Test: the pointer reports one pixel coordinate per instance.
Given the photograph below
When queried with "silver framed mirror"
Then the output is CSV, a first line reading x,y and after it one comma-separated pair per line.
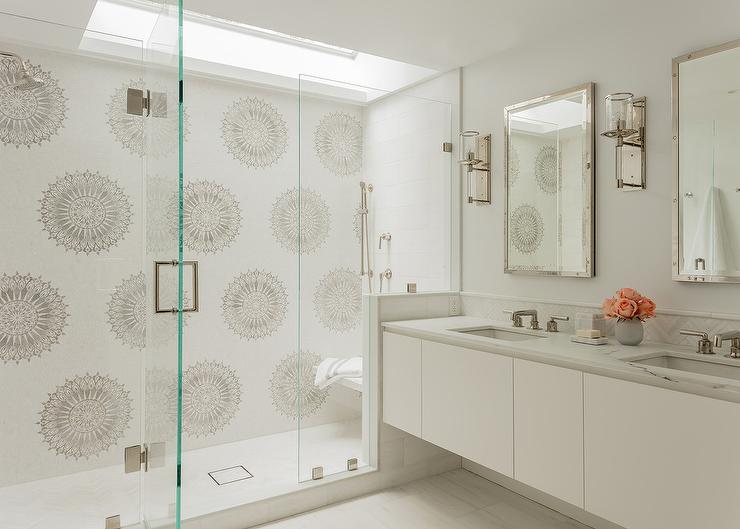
x,y
706,165
549,161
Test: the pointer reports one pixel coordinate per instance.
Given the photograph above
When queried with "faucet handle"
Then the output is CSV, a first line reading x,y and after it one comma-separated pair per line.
x,y
704,345
552,325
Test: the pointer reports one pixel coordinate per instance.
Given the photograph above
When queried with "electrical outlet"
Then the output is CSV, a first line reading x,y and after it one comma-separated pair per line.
x,y
453,306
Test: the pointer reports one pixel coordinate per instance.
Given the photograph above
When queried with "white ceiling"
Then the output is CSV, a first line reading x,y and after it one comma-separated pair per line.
x,y
434,33
439,34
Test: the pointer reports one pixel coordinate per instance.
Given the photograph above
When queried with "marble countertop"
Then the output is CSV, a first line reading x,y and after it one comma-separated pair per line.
x,y
611,360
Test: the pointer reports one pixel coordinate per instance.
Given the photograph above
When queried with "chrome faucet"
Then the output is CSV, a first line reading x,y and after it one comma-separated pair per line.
x,y
517,315
734,337
704,345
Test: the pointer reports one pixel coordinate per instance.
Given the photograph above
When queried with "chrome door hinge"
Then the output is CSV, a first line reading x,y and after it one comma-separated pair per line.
x,y
134,457
447,147
113,522
141,102
317,473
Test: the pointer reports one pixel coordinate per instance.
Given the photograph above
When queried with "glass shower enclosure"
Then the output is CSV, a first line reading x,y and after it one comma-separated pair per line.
x,y
184,326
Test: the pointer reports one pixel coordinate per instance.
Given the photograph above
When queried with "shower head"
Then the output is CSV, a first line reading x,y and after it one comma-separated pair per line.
x,y
23,79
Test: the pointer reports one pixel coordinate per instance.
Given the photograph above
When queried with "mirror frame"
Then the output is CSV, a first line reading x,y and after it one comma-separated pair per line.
x,y
676,239
590,233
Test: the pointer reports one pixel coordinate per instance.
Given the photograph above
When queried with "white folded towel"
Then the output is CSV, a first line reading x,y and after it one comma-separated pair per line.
x,y
332,370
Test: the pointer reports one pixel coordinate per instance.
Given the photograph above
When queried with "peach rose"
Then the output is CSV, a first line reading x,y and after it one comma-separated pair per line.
x,y
607,307
646,308
625,308
629,293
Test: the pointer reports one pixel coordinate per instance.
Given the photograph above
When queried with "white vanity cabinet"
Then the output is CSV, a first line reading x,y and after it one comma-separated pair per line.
x,y
402,382
467,404
548,429
657,458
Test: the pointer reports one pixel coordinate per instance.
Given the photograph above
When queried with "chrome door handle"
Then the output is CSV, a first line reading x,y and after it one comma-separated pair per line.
x,y
157,306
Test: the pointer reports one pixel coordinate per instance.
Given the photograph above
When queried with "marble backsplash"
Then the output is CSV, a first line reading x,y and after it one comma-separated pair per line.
x,y
663,328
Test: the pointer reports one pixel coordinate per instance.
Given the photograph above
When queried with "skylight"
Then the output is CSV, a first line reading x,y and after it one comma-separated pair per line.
x,y
235,50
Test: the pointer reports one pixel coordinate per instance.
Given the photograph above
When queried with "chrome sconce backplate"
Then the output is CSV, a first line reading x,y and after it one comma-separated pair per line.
x,y
625,120
476,156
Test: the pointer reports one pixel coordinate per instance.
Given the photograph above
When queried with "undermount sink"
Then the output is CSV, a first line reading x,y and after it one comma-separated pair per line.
x,y
499,334
709,365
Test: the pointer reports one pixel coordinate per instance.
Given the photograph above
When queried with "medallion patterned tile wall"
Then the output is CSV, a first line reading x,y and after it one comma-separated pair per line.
x,y
338,141
292,386
85,212
254,132
85,416
211,394
32,317
547,169
526,229
300,220
255,304
212,217
75,314
338,300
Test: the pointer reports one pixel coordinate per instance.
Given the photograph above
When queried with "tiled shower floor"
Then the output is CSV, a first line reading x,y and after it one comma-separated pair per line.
x,y
85,499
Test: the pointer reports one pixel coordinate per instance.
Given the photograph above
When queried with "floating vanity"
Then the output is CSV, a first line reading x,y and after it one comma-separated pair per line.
x,y
646,437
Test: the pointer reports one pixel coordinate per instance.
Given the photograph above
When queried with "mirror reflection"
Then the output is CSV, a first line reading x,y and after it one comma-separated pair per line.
x,y
549,185
707,121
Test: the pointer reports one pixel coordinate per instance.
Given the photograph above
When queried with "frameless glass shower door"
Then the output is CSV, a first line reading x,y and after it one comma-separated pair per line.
x,y
89,172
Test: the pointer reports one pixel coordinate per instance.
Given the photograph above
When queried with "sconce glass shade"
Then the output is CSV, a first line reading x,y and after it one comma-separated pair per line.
x,y
619,115
469,147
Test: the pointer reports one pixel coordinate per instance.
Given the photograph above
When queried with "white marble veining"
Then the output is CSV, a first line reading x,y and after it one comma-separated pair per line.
x,y
610,360
454,500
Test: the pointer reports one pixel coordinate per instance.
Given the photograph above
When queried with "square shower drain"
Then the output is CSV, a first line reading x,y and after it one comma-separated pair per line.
x,y
230,475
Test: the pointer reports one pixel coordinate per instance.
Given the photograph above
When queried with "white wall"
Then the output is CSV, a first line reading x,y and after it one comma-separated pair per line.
x,y
633,229
413,183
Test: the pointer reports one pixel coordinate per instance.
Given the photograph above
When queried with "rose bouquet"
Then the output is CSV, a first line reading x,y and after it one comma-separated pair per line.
x,y
629,304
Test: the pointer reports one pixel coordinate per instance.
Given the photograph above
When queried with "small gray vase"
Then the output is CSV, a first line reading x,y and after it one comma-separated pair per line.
x,y
629,332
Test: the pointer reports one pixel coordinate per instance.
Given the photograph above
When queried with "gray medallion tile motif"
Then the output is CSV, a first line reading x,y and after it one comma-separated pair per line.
x,y
357,223
85,212
127,311
132,319
338,300
254,132
161,220
547,169
29,116
255,304
513,165
302,232
160,404
211,217
526,229
32,317
156,135
211,394
338,143
292,386
85,416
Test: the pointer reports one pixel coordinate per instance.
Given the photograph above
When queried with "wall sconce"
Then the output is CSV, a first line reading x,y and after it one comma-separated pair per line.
x,y
476,156
625,121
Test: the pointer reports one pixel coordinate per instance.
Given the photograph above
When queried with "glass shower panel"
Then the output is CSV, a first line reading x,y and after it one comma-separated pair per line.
x,y
74,300
69,212
374,205
162,267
